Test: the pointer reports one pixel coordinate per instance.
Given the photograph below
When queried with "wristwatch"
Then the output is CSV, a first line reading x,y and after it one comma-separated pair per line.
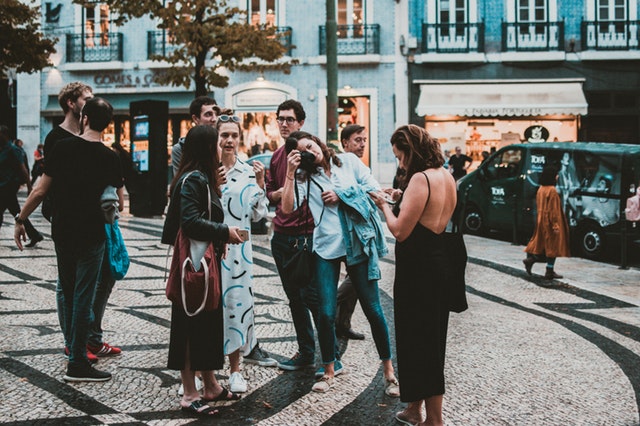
x,y
18,220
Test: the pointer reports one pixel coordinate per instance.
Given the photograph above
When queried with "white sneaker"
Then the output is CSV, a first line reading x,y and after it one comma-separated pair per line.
x,y
237,384
199,386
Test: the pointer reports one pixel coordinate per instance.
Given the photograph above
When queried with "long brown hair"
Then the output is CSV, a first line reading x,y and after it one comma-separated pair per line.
x,y
420,149
200,152
328,154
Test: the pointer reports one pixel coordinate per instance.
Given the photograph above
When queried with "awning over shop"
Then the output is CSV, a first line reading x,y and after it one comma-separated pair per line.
x,y
495,98
178,102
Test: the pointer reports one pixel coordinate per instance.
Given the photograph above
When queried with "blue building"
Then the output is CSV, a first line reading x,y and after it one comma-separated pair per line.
x,y
484,73
114,60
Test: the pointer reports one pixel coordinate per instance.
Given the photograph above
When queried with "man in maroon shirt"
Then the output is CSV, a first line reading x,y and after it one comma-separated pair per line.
x,y
289,229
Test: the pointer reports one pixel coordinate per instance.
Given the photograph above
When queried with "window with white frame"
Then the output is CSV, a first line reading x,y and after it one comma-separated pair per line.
x,y
611,14
262,12
350,18
96,24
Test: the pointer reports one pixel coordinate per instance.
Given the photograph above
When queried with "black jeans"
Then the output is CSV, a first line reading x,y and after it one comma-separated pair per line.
x,y
9,201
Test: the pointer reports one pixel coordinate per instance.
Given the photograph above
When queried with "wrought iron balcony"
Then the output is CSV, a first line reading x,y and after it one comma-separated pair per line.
x,y
453,38
104,47
284,35
159,43
354,39
532,36
610,35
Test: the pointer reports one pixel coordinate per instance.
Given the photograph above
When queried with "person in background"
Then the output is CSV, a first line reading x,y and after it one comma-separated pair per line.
x,y
459,163
244,201
20,145
551,236
13,174
335,182
196,342
354,139
203,110
426,200
289,230
77,171
38,163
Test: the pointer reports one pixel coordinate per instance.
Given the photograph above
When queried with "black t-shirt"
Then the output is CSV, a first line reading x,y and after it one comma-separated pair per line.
x,y
457,164
80,171
55,135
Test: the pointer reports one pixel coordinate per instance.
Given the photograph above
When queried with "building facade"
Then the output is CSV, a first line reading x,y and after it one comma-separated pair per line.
x,y
114,60
487,73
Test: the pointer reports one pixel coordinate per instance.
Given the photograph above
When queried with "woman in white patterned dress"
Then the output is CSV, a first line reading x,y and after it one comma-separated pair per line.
x,y
243,201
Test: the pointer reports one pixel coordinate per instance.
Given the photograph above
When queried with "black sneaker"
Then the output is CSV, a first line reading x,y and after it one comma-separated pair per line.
x,y
260,357
85,373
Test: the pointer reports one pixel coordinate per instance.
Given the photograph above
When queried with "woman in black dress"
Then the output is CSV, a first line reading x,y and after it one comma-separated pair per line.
x,y
426,201
196,342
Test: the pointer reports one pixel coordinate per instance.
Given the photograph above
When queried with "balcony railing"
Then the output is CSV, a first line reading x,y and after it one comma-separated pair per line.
x,y
103,47
354,39
532,36
284,35
453,38
159,43
610,35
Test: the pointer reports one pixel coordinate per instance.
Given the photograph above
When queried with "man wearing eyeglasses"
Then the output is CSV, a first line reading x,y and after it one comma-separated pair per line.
x,y
289,229
354,140
204,110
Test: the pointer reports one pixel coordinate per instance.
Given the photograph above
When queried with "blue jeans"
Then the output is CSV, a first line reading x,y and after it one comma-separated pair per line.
x,y
79,267
327,276
283,248
103,291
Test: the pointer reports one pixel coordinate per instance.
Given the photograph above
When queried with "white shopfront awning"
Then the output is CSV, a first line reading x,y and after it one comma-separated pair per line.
x,y
495,98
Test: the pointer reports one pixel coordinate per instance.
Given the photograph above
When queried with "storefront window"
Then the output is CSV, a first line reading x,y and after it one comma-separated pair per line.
x,y
355,110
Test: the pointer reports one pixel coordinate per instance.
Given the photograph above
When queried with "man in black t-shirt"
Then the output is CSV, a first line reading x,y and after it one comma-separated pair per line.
x,y
458,163
77,171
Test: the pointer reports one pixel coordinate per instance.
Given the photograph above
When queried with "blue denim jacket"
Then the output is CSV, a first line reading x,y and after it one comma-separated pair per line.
x,y
361,228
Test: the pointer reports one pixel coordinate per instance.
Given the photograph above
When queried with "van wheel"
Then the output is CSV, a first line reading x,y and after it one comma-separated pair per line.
x,y
591,241
473,221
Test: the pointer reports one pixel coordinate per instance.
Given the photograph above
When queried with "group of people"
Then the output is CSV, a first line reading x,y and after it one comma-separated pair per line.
x,y
327,200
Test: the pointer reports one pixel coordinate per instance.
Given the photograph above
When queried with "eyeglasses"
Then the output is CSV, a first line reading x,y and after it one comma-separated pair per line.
x,y
289,120
224,118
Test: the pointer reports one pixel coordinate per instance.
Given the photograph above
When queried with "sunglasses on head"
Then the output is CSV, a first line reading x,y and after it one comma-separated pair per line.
x,y
224,118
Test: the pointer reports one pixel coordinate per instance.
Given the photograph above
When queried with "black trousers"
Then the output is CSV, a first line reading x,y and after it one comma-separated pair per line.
x,y
347,300
9,201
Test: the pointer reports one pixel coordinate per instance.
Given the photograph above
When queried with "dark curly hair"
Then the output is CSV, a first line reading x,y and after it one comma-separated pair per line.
x,y
421,151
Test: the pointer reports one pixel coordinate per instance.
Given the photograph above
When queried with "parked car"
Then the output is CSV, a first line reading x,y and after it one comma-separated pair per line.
x,y
594,182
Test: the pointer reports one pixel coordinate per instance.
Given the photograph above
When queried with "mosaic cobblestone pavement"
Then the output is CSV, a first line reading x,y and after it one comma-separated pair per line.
x,y
523,354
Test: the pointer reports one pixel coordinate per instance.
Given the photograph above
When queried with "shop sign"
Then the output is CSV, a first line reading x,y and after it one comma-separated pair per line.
x,y
501,111
117,80
536,134
260,98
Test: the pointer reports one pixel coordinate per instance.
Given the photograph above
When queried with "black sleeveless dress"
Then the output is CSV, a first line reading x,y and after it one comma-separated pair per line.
x,y
421,313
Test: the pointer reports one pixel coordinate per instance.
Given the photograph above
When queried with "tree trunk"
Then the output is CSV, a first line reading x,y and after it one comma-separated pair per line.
x,y
201,83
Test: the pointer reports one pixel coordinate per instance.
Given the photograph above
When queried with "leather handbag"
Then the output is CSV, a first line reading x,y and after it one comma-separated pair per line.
x,y
194,275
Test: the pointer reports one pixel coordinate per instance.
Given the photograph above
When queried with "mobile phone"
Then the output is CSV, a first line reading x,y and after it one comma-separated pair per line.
x,y
244,234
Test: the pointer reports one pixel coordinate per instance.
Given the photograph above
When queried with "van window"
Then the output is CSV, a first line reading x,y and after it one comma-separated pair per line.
x,y
506,164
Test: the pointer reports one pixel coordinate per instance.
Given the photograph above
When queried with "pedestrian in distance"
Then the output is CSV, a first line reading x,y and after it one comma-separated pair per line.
x,y
244,201
13,174
77,171
38,163
459,163
550,239
425,201
330,182
196,342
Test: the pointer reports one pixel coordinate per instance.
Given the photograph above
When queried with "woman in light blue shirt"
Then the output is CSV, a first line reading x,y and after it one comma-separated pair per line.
x,y
341,234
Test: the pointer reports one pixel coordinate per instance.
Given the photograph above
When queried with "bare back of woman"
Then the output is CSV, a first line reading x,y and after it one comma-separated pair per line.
x,y
441,199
